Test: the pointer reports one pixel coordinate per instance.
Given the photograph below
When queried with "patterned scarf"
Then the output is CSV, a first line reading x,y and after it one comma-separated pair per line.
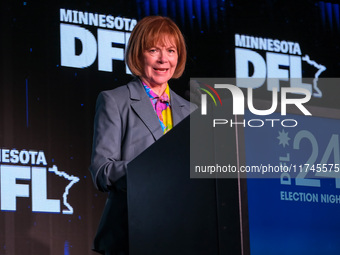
x,y
161,105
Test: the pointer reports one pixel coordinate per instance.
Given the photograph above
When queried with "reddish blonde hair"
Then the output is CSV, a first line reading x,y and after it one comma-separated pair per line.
x,y
147,33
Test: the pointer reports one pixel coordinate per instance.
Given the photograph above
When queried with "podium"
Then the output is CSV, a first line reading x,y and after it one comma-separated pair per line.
x,y
170,213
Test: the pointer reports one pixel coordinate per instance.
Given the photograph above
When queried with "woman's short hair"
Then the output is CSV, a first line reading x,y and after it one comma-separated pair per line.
x,y
147,33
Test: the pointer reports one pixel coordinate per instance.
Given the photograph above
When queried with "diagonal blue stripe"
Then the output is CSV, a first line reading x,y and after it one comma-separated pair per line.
x,y
322,12
336,15
329,14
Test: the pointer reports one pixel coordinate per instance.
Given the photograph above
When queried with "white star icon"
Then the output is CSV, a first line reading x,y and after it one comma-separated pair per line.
x,y
283,138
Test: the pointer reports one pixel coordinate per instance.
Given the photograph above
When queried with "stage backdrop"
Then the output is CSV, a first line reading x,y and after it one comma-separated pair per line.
x,y
56,56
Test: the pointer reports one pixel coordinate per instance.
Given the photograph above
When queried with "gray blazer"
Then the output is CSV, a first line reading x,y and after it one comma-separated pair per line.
x,y
125,125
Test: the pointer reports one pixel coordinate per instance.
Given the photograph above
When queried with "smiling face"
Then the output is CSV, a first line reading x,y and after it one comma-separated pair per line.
x,y
160,63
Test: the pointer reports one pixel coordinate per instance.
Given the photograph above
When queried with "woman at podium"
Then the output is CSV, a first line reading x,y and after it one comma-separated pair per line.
x,y
132,117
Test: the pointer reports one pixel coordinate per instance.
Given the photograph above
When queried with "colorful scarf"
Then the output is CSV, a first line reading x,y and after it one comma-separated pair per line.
x,y
161,105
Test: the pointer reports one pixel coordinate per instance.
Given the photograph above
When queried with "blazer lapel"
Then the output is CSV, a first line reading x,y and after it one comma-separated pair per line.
x,y
143,108
176,108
